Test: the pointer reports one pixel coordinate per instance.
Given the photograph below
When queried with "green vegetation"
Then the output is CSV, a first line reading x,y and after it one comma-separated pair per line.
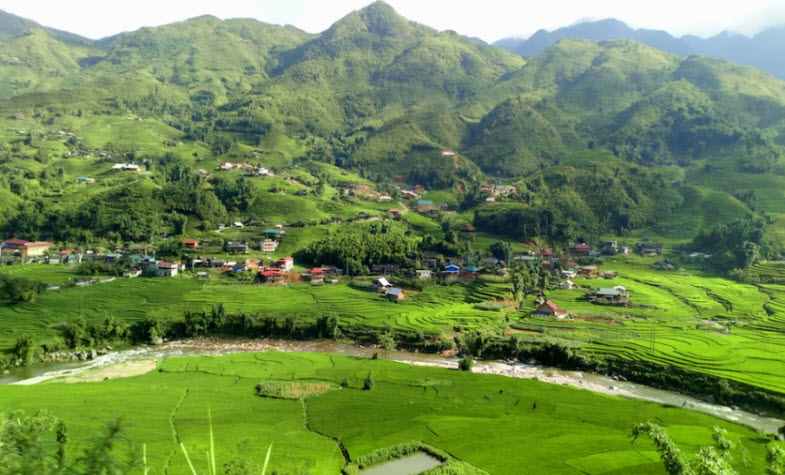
x,y
382,142
474,418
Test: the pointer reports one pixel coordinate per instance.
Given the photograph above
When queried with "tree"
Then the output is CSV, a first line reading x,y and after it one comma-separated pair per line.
x,y
713,460
502,250
23,350
523,282
776,460
387,341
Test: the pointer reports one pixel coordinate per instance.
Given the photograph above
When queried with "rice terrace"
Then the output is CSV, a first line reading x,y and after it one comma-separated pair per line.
x,y
324,238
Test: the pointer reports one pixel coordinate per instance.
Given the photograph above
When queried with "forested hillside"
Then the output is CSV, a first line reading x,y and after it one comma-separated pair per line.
x,y
601,138
763,50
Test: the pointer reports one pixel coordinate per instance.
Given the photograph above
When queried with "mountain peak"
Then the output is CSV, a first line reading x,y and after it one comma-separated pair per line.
x,y
378,18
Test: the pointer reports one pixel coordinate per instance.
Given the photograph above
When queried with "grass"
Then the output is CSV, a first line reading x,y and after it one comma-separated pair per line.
x,y
482,420
433,311
694,321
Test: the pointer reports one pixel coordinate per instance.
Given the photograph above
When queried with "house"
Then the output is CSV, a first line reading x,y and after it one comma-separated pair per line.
x,y
452,269
23,248
385,198
238,225
581,249
665,265
271,276
648,249
618,296
567,284
258,171
316,275
395,214
285,264
382,284
133,273
273,233
226,166
228,266
269,245
191,244
424,206
409,194
423,274
236,247
395,294
491,262
609,274
447,153
610,248
589,272
550,309
126,167
569,274
168,269
86,180
471,269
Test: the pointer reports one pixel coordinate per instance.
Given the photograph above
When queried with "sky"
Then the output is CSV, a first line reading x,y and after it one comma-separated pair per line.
x,y
486,19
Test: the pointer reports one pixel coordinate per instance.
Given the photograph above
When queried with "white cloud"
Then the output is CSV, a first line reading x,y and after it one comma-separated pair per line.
x,y
488,19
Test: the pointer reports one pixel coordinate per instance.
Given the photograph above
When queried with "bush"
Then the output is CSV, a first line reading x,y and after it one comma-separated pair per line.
x,y
466,363
368,382
16,290
23,350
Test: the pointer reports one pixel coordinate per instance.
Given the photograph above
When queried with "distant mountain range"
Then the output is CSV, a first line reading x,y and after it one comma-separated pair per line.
x,y
765,51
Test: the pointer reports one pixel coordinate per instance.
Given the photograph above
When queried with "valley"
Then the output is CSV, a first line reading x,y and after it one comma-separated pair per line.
x,y
375,195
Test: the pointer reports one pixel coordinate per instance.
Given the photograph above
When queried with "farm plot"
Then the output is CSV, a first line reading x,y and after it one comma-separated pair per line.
x,y
480,419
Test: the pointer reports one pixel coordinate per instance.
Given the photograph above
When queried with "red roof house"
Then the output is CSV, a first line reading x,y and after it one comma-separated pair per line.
x,y
550,309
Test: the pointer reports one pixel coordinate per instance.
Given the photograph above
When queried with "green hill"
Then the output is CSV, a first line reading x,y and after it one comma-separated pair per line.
x,y
384,97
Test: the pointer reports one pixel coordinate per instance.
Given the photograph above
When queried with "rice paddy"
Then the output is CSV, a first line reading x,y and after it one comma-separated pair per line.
x,y
497,424
696,322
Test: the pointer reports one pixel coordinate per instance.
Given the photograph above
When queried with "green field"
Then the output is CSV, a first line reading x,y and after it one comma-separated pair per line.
x,y
498,424
697,322
436,309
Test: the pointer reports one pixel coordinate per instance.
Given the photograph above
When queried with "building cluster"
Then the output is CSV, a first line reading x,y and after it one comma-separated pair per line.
x,y
247,169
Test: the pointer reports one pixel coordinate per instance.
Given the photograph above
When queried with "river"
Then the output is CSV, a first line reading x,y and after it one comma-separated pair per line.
x,y
587,381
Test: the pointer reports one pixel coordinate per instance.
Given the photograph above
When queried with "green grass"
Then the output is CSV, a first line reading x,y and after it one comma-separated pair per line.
x,y
494,423
434,311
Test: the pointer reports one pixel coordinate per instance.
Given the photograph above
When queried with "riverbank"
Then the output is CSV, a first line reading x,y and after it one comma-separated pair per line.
x,y
141,360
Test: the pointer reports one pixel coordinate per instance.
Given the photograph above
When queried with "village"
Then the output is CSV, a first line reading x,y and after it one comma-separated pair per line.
x,y
257,262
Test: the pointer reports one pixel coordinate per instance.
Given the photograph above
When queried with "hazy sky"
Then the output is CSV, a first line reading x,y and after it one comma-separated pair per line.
x,y
487,19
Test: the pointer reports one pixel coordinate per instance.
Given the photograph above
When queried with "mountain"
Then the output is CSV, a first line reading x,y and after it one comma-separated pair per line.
x,y
599,137
765,51
12,26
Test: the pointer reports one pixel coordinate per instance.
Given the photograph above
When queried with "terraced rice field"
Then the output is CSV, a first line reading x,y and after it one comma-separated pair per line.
x,y
693,321
498,424
700,323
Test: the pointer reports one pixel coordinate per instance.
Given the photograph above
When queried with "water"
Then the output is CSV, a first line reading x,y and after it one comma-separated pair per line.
x,y
587,381
411,465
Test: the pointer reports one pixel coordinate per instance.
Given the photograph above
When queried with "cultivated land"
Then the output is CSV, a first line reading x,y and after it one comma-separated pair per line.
x,y
497,424
697,322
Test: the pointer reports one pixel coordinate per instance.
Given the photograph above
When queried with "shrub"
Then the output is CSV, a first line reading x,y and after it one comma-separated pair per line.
x,y
368,382
466,363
